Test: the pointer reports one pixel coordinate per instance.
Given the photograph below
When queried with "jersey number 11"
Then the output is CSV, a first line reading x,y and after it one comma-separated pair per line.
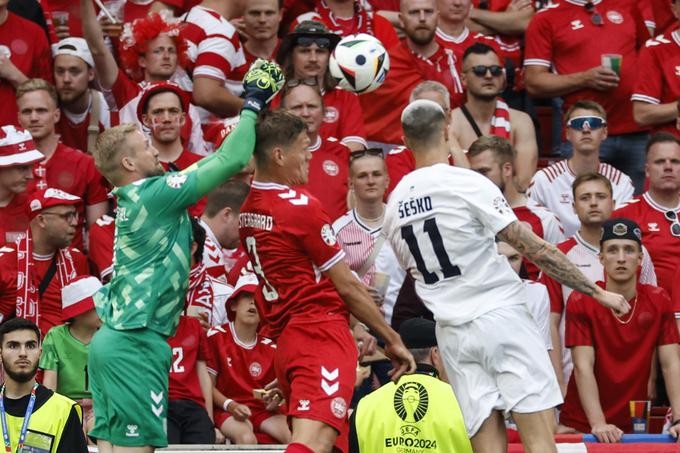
x,y
430,227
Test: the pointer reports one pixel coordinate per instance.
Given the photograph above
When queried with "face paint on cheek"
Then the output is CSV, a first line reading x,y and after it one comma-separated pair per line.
x,y
158,122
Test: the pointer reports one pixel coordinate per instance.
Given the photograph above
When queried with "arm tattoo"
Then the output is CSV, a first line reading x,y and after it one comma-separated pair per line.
x,y
547,257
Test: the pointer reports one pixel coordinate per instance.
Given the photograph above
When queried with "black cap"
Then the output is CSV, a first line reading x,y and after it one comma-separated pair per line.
x,y
309,28
621,228
418,333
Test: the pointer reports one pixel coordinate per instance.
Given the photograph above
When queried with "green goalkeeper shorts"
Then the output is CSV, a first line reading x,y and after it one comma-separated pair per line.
x,y
128,373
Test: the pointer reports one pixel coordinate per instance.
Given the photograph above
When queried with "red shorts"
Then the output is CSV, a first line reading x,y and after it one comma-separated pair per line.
x,y
257,417
316,364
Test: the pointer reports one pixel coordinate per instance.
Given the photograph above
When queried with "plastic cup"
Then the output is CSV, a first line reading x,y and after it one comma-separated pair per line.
x,y
380,281
639,414
613,62
60,18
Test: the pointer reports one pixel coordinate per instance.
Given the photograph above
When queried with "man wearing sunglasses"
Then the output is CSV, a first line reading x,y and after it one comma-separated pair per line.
x,y
657,210
328,168
303,55
571,52
485,113
35,268
586,130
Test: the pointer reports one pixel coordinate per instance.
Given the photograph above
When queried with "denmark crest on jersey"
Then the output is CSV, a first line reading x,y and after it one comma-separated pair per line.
x,y
176,181
615,17
331,168
328,235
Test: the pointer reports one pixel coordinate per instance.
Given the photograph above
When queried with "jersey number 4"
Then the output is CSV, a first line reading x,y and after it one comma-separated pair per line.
x,y
430,227
268,291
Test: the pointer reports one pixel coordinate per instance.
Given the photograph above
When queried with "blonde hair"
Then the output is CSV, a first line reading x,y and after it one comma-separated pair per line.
x,y
37,85
109,149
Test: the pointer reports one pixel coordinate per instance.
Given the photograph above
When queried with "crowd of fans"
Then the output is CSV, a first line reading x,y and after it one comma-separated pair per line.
x,y
173,68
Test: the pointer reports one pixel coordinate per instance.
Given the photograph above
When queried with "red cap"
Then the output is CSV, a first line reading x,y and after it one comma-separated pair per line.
x,y
153,88
76,297
17,147
46,198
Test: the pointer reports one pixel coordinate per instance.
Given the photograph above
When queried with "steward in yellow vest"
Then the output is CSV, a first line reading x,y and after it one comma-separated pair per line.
x,y
418,414
32,417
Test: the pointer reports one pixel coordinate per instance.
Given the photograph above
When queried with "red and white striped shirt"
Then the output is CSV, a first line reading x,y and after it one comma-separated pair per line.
x,y
543,223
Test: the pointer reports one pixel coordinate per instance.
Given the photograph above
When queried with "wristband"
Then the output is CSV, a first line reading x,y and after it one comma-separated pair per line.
x,y
676,422
253,104
226,404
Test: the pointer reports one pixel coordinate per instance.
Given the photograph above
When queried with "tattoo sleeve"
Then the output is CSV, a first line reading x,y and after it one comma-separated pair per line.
x,y
547,257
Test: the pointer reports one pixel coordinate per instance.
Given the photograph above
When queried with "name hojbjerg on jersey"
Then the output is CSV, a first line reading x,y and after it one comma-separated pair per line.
x,y
414,206
257,221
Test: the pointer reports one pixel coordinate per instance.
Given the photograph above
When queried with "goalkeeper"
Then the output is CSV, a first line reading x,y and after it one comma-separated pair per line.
x,y
129,357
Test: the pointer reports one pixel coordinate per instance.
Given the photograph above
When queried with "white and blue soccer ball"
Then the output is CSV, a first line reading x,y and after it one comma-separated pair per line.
x,y
359,63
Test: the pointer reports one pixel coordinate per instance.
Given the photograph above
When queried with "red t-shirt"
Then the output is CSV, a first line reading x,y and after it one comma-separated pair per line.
x,y
73,172
13,218
563,37
189,345
50,303
238,367
290,241
623,352
328,175
676,291
544,224
26,45
101,244
663,247
658,79
382,108
185,160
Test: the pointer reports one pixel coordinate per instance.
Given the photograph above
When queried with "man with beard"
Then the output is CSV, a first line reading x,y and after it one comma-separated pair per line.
x,y
32,415
416,59
141,305
485,113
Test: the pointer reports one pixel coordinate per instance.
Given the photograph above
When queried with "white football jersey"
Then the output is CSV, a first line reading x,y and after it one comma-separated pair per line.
x,y
551,187
441,222
538,304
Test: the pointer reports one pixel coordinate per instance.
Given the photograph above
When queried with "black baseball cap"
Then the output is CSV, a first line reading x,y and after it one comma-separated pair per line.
x,y
621,228
418,333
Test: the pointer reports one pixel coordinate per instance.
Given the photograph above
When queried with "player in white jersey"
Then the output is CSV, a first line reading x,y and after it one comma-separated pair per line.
x,y
593,204
441,222
551,186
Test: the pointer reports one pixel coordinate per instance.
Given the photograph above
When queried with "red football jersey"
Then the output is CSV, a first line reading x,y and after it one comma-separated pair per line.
x,y
73,172
544,224
13,218
328,175
185,160
189,345
623,351
239,367
72,129
676,291
663,247
400,162
50,303
564,37
658,78
26,45
101,244
290,242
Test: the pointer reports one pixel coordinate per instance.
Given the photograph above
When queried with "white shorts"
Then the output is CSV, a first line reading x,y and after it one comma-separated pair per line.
x,y
498,362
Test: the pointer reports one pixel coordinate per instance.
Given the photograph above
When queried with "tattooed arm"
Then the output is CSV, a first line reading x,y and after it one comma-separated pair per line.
x,y
557,265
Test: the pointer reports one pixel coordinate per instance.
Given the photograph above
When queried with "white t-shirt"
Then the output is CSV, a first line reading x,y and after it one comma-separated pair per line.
x,y
538,303
441,222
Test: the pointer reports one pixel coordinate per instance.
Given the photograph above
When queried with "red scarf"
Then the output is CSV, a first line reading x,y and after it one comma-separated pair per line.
x,y
360,22
200,292
500,121
27,283
440,67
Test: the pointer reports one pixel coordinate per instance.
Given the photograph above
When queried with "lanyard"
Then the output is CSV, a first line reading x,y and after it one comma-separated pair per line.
x,y
24,426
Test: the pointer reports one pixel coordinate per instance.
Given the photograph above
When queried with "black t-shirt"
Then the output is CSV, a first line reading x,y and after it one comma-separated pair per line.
x,y
72,438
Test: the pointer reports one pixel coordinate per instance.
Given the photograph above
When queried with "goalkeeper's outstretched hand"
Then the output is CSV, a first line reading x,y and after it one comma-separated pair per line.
x,y
261,83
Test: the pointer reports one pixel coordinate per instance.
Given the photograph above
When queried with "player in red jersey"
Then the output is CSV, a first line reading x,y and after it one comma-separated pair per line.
x,y
63,168
307,289
495,158
657,87
242,364
24,265
657,210
329,166
24,53
613,355
18,154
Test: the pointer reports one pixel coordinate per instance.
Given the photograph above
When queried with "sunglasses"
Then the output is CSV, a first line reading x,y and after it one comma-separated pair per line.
x,y
376,152
595,17
578,123
675,225
310,82
481,70
321,42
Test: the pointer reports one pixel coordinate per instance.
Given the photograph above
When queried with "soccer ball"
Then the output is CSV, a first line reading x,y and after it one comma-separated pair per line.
x,y
359,63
